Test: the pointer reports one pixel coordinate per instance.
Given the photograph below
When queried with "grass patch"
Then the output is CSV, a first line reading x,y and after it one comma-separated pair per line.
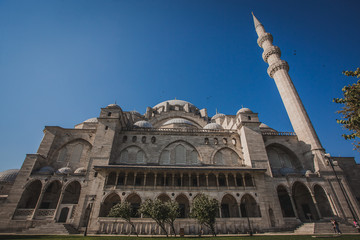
x,y
282,237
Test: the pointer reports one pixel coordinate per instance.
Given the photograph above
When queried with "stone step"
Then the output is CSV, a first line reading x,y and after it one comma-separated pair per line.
x,y
305,228
52,228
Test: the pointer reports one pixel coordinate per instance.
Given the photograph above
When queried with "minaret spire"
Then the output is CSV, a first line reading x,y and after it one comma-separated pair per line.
x,y
278,70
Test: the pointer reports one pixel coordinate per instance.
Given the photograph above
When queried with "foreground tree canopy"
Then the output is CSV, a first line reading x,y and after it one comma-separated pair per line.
x,y
204,211
351,108
123,210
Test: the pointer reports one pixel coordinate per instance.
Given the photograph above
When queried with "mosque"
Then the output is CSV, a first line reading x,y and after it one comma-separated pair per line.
x,y
264,179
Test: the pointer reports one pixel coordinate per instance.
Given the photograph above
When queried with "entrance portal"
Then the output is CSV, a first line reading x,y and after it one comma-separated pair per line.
x,y
64,214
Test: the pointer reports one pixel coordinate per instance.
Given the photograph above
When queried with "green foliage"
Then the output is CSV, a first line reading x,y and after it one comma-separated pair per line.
x,y
156,210
123,210
351,108
173,213
204,211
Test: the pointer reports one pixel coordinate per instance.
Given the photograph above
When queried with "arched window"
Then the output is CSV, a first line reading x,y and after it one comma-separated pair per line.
x,y
62,155
282,160
194,157
165,157
124,156
218,159
227,156
180,154
140,157
164,197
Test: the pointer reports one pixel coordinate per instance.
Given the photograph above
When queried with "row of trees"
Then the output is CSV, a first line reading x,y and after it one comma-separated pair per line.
x,y
204,211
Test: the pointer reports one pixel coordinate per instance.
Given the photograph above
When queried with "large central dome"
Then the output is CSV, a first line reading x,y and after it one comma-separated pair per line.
x,y
174,103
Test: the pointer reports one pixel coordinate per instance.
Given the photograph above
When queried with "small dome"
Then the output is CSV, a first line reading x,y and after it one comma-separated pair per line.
x,y
178,121
263,125
135,113
173,103
46,170
9,175
80,170
218,115
64,170
143,124
91,120
244,110
213,126
113,105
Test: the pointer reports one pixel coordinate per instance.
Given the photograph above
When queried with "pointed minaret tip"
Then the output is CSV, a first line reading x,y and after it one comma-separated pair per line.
x,y
256,21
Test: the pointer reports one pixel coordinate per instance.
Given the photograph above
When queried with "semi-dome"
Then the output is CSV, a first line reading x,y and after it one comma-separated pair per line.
x,y
64,170
218,115
143,124
173,103
91,120
244,110
46,170
80,170
9,175
213,126
178,121
113,105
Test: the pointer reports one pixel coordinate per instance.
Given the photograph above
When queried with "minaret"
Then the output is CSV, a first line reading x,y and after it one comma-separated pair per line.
x,y
278,70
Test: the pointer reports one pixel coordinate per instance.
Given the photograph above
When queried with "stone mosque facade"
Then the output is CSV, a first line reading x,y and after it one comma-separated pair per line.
x,y
264,179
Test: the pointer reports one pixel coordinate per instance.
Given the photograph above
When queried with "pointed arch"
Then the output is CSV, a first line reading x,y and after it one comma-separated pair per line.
x,y
72,151
285,202
304,204
249,207
322,201
51,195
229,207
72,193
164,197
184,206
179,153
135,200
110,200
131,155
226,156
30,195
281,157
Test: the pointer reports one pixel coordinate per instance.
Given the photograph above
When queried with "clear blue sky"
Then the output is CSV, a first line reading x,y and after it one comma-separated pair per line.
x,y
61,61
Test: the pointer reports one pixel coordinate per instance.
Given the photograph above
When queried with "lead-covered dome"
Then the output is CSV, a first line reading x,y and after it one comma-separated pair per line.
x,y
178,121
244,110
91,120
64,170
113,105
213,126
143,124
174,103
46,170
218,115
9,175
80,170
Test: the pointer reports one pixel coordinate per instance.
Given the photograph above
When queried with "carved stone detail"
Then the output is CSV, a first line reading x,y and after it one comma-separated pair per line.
x,y
263,38
281,64
269,51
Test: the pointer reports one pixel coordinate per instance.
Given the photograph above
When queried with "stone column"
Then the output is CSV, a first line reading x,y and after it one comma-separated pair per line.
x,y
116,179
181,179
59,202
293,206
217,180
207,180
173,179
164,179
198,180
190,178
155,179
125,180
145,174
135,174
235,180
316,205
227,181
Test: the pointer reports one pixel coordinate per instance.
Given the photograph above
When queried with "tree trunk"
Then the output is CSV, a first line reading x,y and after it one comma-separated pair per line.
x,y
173,228
133,227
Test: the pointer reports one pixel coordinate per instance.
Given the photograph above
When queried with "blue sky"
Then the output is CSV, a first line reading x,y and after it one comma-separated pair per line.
x,y
61,61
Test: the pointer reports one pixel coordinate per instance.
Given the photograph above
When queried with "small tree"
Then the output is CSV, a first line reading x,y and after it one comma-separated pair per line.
x,y
173,213
204,211
351,109
123,210
156,210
